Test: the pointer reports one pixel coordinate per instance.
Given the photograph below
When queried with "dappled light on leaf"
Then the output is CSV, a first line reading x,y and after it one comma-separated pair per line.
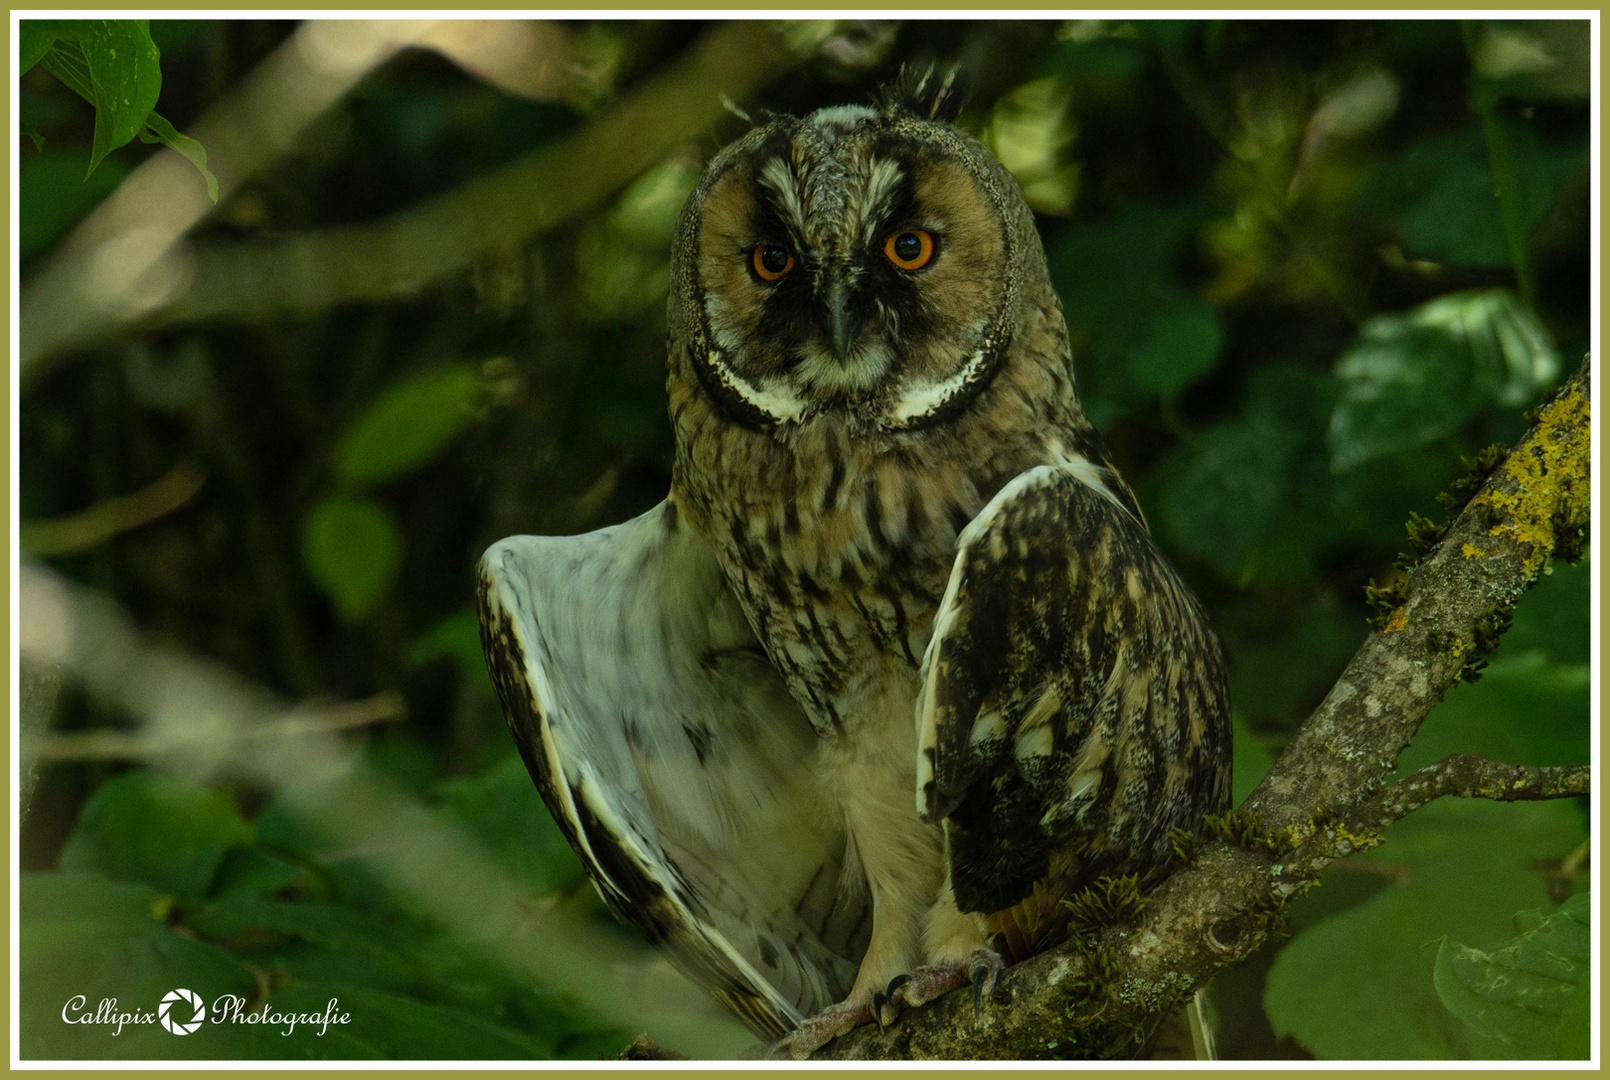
x,y
1414,378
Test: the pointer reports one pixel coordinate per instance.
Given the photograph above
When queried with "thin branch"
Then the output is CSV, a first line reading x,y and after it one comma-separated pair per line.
x,y
1474,776
432,242
142,745
119,262
90,528
1101,998
1493,551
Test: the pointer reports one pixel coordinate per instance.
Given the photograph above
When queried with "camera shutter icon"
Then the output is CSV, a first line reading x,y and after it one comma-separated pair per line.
x,y
175,1024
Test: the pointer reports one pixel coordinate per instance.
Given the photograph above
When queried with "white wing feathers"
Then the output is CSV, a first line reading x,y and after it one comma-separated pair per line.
x,y
670,753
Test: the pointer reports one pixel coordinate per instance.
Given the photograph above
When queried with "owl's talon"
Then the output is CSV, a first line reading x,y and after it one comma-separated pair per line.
x,y
882,1010
821,1029
987,968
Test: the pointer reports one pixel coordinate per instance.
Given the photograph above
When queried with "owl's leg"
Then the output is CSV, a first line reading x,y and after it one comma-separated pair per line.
x,y
901,856
957,951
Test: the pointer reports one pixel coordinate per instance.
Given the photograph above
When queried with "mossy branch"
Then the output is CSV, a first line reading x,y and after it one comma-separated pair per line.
x,y
1323,798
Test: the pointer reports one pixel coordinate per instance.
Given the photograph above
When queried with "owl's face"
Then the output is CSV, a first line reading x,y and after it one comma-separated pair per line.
x,y
857,261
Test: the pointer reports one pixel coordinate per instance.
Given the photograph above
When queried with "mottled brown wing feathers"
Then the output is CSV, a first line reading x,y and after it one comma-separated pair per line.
x,y
1074,708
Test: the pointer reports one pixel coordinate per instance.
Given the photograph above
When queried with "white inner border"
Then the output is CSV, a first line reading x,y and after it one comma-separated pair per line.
x,y
1593,16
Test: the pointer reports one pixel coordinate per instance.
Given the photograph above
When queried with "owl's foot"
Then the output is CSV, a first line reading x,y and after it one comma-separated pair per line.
x,y
821,1029
981,967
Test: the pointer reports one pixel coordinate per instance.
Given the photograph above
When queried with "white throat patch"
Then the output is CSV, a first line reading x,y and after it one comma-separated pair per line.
x,y
920,399
775,400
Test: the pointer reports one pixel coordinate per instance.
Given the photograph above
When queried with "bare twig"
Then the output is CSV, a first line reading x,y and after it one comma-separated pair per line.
x,y
90,528
308,719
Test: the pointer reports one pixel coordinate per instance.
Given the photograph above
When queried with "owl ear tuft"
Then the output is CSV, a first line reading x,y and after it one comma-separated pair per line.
x,y
925,91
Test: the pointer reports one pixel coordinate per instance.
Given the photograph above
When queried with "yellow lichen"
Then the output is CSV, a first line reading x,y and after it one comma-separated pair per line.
x,y
1356,841
1399,619
1550,474
1471,551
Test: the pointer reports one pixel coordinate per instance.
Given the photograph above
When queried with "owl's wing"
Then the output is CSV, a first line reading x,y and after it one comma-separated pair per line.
x,y
1073,709
672,757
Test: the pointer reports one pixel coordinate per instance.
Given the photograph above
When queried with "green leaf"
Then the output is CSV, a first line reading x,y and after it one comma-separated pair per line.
x,y
82,934
1553,616
52,194
260,871
1149,332
1576,1030
407,425
125,77
1286,659
142,826
457,637
330,926
501,807
1519,994
1414,377
1358,984
1251,761
34,39
1225,498
84,896
1179,347
159,130
352,548
1442,191
65,60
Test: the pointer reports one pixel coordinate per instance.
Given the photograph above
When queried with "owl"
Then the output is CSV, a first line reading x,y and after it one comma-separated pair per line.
x,y
895,668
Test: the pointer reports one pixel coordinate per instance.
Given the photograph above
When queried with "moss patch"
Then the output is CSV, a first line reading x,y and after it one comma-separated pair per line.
x,y
1244,829
1108,901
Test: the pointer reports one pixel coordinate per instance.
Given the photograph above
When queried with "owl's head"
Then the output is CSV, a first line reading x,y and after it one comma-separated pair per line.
x,y
865,260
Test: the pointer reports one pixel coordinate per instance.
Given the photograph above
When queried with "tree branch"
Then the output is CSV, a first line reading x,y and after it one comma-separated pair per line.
x,y
92,527
433,241
119,260
1321,800
1474,776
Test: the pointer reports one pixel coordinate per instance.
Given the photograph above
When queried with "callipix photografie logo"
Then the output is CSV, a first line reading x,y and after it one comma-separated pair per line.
x,y
183,1012
173,1023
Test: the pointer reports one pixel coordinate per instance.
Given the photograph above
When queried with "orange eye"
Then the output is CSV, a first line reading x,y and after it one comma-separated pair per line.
x,y
912,249
770,262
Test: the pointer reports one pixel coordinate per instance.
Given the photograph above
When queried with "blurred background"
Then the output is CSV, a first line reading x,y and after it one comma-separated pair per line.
x,y
1308,267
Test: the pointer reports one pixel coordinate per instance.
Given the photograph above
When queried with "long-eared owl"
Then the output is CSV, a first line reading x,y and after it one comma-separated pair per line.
x,y
896,667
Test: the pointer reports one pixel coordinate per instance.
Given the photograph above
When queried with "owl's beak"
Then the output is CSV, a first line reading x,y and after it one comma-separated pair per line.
x,y
841,325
